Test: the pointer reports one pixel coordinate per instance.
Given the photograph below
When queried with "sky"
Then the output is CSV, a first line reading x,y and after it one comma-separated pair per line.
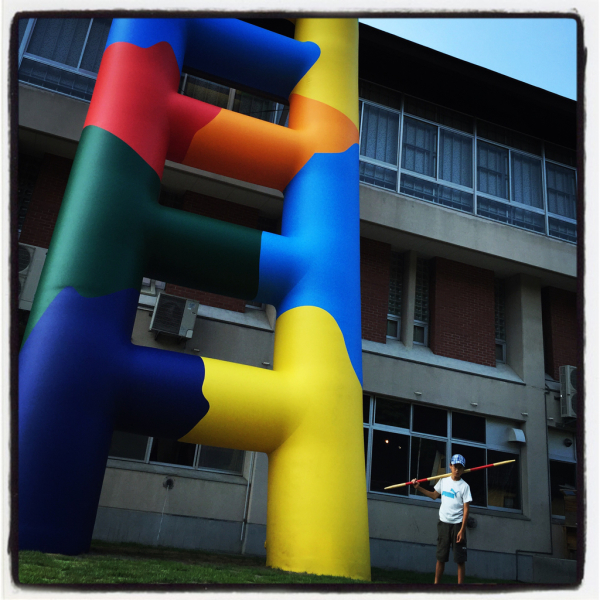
x,y
541,52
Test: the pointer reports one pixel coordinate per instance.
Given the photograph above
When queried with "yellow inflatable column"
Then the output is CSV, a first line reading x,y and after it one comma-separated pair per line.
x,y
317,505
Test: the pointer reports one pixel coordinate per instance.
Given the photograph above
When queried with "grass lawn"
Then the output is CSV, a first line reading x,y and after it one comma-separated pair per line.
x,y
124,564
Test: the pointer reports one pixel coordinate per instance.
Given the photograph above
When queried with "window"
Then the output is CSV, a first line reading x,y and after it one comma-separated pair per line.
x,y
434,154
141,448
232,99
404,440
563,468
395,295
500,320
421,326
62,55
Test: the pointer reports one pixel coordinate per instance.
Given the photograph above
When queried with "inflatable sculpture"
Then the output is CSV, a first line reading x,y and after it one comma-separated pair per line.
x,y
80,376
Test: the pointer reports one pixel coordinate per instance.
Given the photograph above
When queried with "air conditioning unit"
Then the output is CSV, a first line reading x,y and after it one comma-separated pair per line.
x,y
31,261
174,315
568,391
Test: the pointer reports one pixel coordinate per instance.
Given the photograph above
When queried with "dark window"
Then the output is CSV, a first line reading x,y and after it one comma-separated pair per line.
x,y
172,452
475,457
220,459
389,464
563,476
390,412
428,459
503,481
128,445
430,420
468,427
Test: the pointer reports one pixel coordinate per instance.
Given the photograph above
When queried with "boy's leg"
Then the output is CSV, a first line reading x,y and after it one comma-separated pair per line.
x,y
439,570
460,553
443,549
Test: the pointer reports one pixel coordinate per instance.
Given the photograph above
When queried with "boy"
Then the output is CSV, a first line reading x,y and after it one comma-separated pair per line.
x,y
454,512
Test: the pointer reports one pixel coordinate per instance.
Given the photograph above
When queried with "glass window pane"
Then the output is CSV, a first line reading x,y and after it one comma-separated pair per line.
x,y
430,420
390,412
366,441
527,180
253,106
422,291
562,476
475,457
385,178
379,135
389,463
562,191
492,170
221,459
207,91
419,334
172,452
94,48
468,427
419,146
456,158
427,459
392,329
562,230
500,352
396,279
128,445
60,40
366,406
503,481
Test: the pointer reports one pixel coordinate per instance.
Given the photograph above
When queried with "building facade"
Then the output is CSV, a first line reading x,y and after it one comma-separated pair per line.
x,y
468,295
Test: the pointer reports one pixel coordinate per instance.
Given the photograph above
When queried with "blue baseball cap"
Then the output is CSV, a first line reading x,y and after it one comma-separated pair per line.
x,y
458,459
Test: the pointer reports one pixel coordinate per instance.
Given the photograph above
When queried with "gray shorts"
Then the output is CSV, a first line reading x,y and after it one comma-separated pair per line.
x,y
447,533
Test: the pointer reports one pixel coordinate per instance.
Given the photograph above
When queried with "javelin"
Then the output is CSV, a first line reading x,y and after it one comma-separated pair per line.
x,y
504,462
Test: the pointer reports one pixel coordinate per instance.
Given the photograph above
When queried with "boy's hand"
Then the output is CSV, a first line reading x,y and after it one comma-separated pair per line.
x,y
416,483
460,536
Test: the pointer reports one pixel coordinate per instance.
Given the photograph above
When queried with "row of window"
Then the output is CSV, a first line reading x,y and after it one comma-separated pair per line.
x,y
144,449
401,441
443,157
408,146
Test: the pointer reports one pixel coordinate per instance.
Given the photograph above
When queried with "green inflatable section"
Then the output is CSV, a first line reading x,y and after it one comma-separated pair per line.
x,y
111,232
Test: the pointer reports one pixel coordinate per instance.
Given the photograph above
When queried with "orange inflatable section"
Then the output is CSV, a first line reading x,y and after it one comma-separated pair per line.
x,y
258,152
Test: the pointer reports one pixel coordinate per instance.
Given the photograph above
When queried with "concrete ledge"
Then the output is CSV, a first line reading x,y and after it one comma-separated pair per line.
x,y
154,529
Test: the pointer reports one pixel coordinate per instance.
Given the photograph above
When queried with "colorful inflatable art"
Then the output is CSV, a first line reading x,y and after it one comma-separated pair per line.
x,y
80,376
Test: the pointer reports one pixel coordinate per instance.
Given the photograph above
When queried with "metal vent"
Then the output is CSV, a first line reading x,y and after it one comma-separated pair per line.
x,y
25,256
169,314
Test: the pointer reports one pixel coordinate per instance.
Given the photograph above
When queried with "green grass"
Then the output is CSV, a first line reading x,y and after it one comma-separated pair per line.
x,y
124,564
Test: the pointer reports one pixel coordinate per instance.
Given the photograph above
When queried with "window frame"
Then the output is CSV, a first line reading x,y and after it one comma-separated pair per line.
x,y
515,220
194,467
449,440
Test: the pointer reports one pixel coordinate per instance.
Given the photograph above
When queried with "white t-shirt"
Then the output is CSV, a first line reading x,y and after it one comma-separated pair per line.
x,y
454,495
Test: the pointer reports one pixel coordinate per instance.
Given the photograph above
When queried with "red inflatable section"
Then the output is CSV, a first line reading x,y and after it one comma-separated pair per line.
x,y
133,100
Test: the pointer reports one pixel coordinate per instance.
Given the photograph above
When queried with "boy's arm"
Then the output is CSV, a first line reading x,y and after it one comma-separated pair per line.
x,y
434,495
460,535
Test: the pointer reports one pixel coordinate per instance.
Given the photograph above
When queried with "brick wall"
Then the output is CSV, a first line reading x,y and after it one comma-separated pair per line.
x,y
216,209
46,199
461,301
559,322
375,286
